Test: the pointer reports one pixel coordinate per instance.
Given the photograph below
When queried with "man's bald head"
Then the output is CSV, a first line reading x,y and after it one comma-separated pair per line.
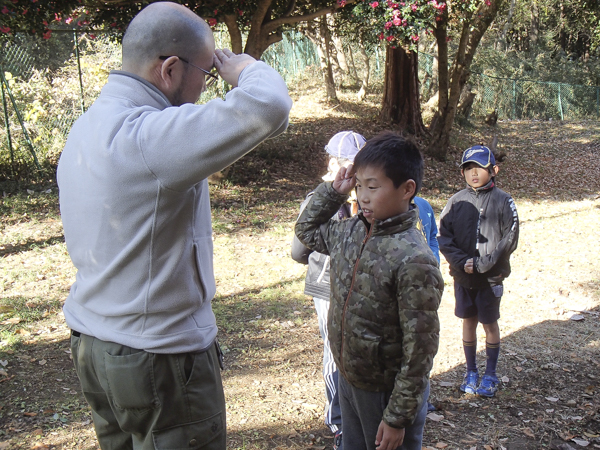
x,y
163,29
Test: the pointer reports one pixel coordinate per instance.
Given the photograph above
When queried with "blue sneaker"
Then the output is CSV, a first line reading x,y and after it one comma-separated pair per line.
x,y
469,385
488,386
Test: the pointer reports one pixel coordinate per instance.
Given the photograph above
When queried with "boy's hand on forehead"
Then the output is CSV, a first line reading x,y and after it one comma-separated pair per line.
x,y
345,180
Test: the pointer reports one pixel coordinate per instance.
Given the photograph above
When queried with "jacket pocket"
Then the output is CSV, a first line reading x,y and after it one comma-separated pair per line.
x,y
190,436
131,381
362,354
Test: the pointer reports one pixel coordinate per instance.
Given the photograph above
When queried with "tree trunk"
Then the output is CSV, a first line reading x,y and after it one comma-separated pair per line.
x,y
452,83
535,29
320,37
234,34
508,24
364,82
401,91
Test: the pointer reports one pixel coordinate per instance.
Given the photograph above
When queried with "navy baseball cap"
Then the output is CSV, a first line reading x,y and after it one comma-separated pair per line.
x,y
345,144
480,155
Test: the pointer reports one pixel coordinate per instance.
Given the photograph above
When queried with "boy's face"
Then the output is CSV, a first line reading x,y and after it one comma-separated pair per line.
x,y
377,196
475,175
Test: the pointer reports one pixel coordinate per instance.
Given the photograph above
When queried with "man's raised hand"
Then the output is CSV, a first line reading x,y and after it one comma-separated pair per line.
x,y
229,65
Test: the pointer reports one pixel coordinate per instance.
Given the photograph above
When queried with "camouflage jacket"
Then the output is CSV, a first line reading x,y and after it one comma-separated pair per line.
x,y
385,291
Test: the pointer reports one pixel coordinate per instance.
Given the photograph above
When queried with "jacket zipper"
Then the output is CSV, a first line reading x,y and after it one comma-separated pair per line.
x,y
348,297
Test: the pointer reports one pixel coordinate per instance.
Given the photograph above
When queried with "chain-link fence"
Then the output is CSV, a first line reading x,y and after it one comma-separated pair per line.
x,y
521,99
47,85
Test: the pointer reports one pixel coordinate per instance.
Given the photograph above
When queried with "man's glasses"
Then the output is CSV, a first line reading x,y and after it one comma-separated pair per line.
x,y
210,78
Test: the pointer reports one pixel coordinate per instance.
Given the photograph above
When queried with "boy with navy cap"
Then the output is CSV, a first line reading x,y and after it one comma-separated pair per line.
x,y
479,229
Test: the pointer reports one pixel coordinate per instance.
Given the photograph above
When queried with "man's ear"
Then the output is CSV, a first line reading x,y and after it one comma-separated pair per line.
x,y
409,189
495,170
170,72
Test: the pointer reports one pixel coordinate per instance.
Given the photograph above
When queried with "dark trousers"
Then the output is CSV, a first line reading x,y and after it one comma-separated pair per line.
x,y
362,412
147,401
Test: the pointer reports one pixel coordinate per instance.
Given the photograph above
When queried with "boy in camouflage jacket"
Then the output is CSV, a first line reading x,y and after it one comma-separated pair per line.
x,y
385,291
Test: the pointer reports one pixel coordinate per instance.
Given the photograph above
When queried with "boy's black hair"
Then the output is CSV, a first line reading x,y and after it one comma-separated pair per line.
x,y
398,156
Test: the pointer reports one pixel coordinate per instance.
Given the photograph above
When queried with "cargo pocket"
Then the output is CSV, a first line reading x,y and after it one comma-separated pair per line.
x,y
195,435
131,381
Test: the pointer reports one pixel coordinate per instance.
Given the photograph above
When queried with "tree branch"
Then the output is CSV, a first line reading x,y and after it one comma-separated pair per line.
x,y
273,24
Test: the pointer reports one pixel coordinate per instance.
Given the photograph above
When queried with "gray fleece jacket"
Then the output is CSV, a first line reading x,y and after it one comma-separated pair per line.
x,y
135,206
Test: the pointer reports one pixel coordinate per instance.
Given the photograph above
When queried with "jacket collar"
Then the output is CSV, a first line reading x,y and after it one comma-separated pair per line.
x,y
137,90
488,187
392,225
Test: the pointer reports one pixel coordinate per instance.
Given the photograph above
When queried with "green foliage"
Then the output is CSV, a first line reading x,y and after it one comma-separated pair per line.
x,y
49,100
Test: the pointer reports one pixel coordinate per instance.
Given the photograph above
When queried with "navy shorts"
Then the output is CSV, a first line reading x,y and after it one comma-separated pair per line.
x,y
481,303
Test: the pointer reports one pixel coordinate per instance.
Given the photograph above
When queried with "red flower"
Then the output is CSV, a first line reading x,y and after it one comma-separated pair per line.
x,y
390,38
5,10
380,36
415,38
92,36
4,30
397,21
488,2
388,25
374,4
57,17
413,7
68,20
25,11
341,3
212,22
47,34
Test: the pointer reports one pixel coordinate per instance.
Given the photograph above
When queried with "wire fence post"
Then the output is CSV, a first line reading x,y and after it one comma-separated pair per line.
x,y
79,72
8,136
21,121
514,102
598,102
560,108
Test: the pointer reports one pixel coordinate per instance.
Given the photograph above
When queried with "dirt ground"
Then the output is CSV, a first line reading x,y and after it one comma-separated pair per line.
x,y
550,355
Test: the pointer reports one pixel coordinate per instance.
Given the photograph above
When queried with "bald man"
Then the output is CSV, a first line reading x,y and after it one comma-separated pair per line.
x,y
135,207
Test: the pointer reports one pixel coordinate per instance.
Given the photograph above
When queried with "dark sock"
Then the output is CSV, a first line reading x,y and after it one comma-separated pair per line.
x,y
493,352
471,355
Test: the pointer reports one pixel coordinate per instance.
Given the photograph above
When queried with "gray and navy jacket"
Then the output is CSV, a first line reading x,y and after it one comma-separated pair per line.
x,y
385,292
481,224
317,275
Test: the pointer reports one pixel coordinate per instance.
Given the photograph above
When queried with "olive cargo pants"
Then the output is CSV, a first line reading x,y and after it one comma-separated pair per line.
x,y
147,401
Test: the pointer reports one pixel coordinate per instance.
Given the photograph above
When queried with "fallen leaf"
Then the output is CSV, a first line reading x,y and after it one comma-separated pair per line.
x,y
4,445
3,363
441,445
435,417
6,309
38,432
505,379
528,432
590,435
41,362
446,384
577,317
12,321
3,373
488,447
22,332
552,399
581,442
550,411
518,369
30,414
590,389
